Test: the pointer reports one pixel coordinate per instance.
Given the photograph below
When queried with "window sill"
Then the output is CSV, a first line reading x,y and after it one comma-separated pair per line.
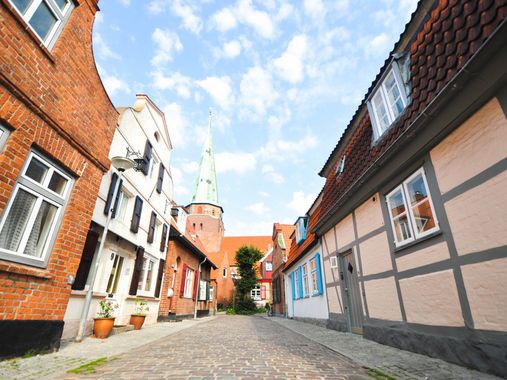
x,y
82,293
141,297
25,270
29,31
417,241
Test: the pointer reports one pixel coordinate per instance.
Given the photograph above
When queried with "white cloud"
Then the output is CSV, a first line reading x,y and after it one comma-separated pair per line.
x,y
112,83
264,194
238,162
177,176
377,45
190,167
232,49
260,21
290,64
219,88
258,208
178,82
280,149
167,43
125,3
156,6
177,124
272,175
224,20
187,14
285,11
249,228
257,90
301,202
101,47
315,8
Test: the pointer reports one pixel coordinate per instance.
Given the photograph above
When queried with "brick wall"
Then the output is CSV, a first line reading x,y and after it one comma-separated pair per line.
x,y
54,102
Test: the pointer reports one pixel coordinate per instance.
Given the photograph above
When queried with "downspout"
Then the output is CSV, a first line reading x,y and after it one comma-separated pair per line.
x,y
198,286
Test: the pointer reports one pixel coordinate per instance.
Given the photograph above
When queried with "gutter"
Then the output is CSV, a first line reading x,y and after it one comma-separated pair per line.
x,y
312,244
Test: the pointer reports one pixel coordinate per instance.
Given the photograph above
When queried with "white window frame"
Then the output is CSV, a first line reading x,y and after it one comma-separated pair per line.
x,y
4,134
43,193
296,283
381,90
211,293
203,284
143,292
189,283
153,162
333,262
306,285
61,18
269,266
255,293
415,235
117,276
315,284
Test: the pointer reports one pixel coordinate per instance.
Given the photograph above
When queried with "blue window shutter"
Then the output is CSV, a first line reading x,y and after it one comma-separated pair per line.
x,y
300,280
293,286
319,274
303,226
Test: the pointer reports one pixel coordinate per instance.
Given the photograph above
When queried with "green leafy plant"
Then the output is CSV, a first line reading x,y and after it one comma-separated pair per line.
x,y
141,307
230,311
107,308
88,367
246,258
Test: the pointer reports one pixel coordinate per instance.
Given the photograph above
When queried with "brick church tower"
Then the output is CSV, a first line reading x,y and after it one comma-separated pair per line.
x,y
205,213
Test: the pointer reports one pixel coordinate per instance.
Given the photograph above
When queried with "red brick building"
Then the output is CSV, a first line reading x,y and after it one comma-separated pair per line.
x,y
281,245
56,125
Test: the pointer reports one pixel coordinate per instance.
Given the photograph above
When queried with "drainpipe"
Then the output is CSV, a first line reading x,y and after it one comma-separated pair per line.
x,y
198,286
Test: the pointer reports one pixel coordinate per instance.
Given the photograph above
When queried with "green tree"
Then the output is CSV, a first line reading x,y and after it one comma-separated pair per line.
x,y
246,258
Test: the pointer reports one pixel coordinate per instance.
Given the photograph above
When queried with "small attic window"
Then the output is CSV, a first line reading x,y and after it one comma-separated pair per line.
x,y
157,136
341,167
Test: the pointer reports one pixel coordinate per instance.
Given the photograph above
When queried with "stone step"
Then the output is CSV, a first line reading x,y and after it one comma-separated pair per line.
x,y
121,329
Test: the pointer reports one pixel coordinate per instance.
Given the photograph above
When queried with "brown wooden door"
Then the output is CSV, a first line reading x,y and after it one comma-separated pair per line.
x,y
351,292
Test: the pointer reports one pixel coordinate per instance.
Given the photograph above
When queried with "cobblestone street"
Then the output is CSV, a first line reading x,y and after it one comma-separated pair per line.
x,y
231,347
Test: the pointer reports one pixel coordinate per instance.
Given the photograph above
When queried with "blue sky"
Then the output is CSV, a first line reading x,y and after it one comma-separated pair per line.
x,y
283,79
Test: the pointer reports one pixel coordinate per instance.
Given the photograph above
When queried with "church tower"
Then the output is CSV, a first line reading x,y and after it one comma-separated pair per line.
x,y
204,211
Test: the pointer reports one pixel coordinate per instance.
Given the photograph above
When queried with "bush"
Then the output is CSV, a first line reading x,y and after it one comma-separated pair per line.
x,y
246,307
230,311
261,309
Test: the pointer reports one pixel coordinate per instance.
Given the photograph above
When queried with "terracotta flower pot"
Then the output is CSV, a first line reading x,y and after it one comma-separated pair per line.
x,y
137,321
102,327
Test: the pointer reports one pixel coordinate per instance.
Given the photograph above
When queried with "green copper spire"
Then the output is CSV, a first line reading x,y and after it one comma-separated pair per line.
x,y
205,189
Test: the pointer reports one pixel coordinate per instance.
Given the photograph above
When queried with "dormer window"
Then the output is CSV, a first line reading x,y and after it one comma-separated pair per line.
x,y
341,167
301,226
387,102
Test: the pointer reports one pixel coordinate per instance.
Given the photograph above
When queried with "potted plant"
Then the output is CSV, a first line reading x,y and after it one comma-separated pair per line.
x,y
103,324
141,309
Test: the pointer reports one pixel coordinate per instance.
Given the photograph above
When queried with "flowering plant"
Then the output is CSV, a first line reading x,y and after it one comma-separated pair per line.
x,y
141,307
107,308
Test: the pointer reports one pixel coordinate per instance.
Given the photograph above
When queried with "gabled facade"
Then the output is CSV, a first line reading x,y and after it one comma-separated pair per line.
x,y
303,272
281,241
187,289
132,261
56,126
262,292
412,218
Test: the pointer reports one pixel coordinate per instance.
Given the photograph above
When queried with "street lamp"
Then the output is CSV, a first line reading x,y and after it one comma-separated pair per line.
x,y
121,164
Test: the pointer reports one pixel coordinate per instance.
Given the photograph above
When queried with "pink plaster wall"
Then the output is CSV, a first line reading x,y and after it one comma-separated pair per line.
x,y
334,299
345,231
375,254
369,216
432,299
478,218
486,286
329,243
476,145
382,299
432,254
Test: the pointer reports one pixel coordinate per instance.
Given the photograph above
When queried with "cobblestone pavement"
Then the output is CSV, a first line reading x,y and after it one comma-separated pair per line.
x,y
231,347
397,363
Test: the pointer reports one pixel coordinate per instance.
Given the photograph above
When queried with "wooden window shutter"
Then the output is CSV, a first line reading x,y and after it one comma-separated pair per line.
x,y
86,260
208,286
159,277
163,238
300,281
117,199
293,283
183,278
151,229
196,284
136,216
160,180
319,275
136,274
146,157
109,199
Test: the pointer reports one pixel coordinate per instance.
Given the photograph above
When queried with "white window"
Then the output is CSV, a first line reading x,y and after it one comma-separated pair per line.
x,y
123,201
411,209
301,225
341,166
116,271
269,266
4,133
211,293
203,290
189,283
145,285
44,17
153,164
30,221
315,275
296,283
333,262
388,101
255,293
224,272
306,287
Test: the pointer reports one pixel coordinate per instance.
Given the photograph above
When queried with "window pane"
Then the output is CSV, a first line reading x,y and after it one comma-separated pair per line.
x,y
148,276
402,228
423,215
40,230
381,111
61,3
43,21
22,5
394,95
417,190
396,204
36,170
141,277
16,220
57,183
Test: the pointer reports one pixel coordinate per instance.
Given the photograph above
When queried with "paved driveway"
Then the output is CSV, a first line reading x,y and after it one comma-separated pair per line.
x,y
230,347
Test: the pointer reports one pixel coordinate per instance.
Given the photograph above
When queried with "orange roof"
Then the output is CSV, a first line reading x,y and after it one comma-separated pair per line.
x,y
230,244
